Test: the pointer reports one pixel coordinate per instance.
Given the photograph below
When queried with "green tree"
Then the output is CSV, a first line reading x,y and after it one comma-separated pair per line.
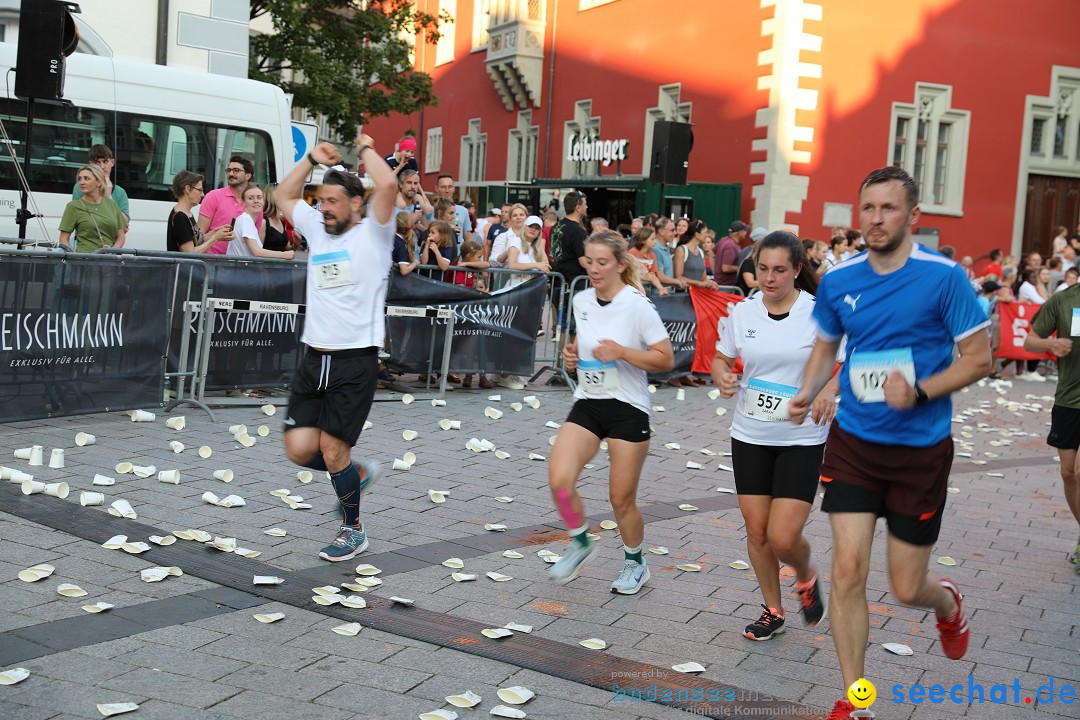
x,y
349,58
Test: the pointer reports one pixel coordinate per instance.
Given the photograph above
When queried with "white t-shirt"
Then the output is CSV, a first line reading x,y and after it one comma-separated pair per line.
x,y
243,228
347,278
500,244
524,256
630,320
1028,293
774,353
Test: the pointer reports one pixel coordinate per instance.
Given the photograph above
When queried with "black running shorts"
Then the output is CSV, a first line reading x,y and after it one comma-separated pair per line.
x,y
333,391
905,485
780,471
1064,428
611,419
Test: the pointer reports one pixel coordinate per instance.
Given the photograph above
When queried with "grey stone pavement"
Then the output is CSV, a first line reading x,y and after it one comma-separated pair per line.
x,y
190,649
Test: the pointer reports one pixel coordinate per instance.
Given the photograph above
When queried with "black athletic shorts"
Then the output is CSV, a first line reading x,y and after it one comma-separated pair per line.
x,y
781,471
905,485
333,391
611,419
1064,428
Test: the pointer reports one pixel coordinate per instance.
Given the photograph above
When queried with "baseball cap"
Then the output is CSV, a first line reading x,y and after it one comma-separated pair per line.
x,y
533,220
495,211
407,143
758,233
738,226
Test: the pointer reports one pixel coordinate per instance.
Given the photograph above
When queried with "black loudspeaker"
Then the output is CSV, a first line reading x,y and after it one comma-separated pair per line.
x,y
47,35
671,146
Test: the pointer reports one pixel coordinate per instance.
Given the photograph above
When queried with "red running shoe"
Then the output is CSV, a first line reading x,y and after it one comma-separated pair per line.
x,y
841,710
954,630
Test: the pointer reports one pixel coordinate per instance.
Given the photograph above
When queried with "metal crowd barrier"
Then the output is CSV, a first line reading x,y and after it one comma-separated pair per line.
x,y
123,356
547,352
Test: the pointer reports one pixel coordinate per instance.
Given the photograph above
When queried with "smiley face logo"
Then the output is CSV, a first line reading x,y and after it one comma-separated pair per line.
x,y
862,693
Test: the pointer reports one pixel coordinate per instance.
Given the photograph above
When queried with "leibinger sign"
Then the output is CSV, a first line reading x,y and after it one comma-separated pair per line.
x,y
592,149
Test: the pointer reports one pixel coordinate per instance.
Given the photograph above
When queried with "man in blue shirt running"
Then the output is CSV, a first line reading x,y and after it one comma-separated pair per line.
x,y
903,309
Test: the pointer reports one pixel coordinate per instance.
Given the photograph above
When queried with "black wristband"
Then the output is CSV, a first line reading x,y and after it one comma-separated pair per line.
x,y
312,160
921,398
362,149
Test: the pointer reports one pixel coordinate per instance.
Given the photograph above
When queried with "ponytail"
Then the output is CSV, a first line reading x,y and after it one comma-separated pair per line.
x,y
615,242
805,279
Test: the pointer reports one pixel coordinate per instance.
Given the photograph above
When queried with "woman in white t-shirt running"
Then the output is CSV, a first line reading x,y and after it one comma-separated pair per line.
x,y
776,463
248,241
620,338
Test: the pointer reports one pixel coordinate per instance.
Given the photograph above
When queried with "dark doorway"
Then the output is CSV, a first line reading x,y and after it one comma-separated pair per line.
x,y
1051,202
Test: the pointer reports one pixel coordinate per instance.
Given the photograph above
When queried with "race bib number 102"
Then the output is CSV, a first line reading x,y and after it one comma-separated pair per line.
x,y
868,371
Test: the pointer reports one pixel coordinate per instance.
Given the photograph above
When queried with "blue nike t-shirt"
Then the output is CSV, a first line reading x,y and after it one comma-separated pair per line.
x,y
908,321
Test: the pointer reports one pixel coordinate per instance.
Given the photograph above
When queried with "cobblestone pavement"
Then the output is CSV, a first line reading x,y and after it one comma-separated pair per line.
x,y
189,648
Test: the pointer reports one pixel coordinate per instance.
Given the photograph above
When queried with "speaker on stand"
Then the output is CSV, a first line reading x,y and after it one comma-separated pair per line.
x,y
47,35
672,143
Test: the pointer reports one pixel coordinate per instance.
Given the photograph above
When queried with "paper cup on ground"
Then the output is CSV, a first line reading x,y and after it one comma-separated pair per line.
x,y
268,410
142,416
37,455
680,394
23,453
304,476
507,711
401,464
438,497
83,439
517,695
237,429
409,458
408,435
245,440
176,423
59,490
103,480
263,430
177,446
17,675
32,487
122,508
205,452
124,467
169,476
407,399
438,403
223,475
69,590
18,477
435,715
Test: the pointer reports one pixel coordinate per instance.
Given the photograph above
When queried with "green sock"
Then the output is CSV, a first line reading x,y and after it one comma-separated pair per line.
x,y
581,536
633,554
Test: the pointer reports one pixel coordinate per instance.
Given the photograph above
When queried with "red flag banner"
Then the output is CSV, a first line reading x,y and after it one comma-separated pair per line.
x,y
1015,320
710,306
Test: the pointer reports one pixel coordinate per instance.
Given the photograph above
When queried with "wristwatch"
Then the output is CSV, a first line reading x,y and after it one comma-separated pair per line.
x,y
921,398
312,160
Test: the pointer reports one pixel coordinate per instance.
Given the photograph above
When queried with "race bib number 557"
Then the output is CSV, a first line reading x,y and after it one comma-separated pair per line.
x,y
868,371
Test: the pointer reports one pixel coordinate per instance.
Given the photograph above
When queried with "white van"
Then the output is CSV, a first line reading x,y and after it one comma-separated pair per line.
x,y
158,121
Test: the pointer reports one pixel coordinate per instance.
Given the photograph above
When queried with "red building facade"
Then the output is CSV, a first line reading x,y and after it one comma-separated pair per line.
x,y
794,100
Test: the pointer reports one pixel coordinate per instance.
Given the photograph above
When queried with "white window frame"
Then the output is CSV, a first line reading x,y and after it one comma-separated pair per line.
x,y
932,109
480,24
433,150
582,126
521,149
444,49
473,154
669,106
590,4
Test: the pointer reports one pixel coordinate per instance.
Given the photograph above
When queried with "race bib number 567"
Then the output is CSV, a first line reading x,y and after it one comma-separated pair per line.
x,y
868,371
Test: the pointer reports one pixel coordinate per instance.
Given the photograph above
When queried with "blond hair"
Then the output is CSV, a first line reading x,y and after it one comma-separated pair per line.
x,y
615,242
405,230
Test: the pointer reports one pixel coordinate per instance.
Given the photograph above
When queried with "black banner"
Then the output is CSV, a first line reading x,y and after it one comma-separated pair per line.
x,y
81,334
677,312
492,333
249,350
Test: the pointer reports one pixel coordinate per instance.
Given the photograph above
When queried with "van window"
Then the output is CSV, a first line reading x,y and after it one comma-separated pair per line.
x,y
63,135
149,150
